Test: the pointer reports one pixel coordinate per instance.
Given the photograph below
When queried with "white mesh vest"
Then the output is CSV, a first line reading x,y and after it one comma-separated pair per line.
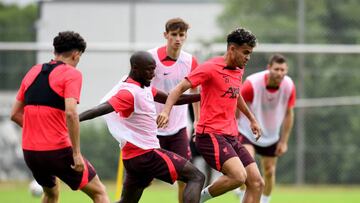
x,y
269,109
140,127
166,78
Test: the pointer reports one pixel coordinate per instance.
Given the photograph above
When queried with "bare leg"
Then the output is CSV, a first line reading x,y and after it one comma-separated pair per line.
x,y
194,180
269,169
131,194
96,191
234,176
51,195
254,184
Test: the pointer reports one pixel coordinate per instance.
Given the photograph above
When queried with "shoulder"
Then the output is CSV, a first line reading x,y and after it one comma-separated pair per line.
x,y
32,73
68,71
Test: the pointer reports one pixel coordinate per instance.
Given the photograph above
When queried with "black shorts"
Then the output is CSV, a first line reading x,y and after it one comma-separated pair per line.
x,y
216,149
46,165
263,151
177,143
158,163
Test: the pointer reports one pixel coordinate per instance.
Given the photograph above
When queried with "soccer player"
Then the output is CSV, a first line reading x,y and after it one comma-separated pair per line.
x,y
45,108
270,95
172,65
216,132
136,124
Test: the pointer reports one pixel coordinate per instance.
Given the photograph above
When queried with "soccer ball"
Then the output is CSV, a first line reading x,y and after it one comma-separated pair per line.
x,y
35,189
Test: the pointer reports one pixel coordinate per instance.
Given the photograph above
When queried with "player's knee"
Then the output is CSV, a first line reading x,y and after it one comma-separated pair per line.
x,y
200,177
238,178
269,171
257,184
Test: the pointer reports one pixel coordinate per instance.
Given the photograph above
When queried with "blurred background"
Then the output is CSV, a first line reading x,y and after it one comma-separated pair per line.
x,y
320,39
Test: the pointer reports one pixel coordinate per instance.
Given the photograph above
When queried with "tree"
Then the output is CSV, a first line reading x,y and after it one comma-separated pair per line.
x,y
331,132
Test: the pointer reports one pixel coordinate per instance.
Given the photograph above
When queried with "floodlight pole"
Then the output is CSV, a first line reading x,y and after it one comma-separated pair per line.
x,y
300,114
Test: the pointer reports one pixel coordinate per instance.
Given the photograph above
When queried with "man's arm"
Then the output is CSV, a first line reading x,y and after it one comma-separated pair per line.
x,y
161,97
163,117
196,107
255,127
285,132
72,123
17,112
97,111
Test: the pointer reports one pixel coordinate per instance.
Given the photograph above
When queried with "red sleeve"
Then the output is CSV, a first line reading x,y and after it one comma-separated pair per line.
x,y
292,98
194,63
154,91
123,103
21,92
72,85
199,75
247,91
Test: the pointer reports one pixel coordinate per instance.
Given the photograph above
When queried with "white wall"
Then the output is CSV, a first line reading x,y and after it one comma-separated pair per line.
x,y
109,22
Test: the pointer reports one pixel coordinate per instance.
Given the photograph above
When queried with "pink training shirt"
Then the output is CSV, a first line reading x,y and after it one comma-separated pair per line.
x,y
220,91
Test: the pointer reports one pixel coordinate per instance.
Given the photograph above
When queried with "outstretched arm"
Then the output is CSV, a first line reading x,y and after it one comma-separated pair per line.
x,y
161,97
97,111
163,117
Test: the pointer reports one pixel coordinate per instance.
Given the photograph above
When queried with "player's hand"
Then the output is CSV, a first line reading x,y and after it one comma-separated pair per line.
x,y
78,163
281,148
255,128
162,120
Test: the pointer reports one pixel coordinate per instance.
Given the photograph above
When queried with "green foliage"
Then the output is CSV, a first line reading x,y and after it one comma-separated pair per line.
x,y
100,148
16,24
331,132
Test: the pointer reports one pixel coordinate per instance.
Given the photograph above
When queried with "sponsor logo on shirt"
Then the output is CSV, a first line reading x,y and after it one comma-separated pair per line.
x,y
231,92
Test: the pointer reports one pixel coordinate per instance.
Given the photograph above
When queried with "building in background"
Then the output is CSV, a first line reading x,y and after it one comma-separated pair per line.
x,y
113,28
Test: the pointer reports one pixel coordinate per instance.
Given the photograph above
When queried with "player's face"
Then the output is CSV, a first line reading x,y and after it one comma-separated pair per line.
x,y
277,72
148,72
241,54
175,38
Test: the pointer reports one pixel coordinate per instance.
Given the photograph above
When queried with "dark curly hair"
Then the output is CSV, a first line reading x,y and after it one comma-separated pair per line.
x,y
241,36
68,41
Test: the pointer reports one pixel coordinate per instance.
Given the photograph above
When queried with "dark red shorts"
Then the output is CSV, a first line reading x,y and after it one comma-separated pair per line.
x,y
158,163
46,165
263,151
216,149
177,143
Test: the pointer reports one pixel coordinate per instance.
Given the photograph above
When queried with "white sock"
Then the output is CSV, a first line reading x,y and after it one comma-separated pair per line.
x,y
239,193
205,195
265,199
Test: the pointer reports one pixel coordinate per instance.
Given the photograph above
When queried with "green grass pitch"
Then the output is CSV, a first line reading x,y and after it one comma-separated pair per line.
x,y
17,192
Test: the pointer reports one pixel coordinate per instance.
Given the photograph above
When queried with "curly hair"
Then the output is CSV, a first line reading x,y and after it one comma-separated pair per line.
x,y
175,24
68,41
241,36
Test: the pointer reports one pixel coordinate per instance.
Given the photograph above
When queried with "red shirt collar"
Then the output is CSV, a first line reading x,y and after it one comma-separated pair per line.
x,y
132,81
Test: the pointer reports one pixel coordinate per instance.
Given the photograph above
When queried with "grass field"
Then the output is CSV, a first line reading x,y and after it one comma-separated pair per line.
x,y
15,192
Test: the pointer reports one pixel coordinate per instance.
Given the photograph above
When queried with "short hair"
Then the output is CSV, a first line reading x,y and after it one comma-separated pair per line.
x,y
277,58
68,41
176,24
241,36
